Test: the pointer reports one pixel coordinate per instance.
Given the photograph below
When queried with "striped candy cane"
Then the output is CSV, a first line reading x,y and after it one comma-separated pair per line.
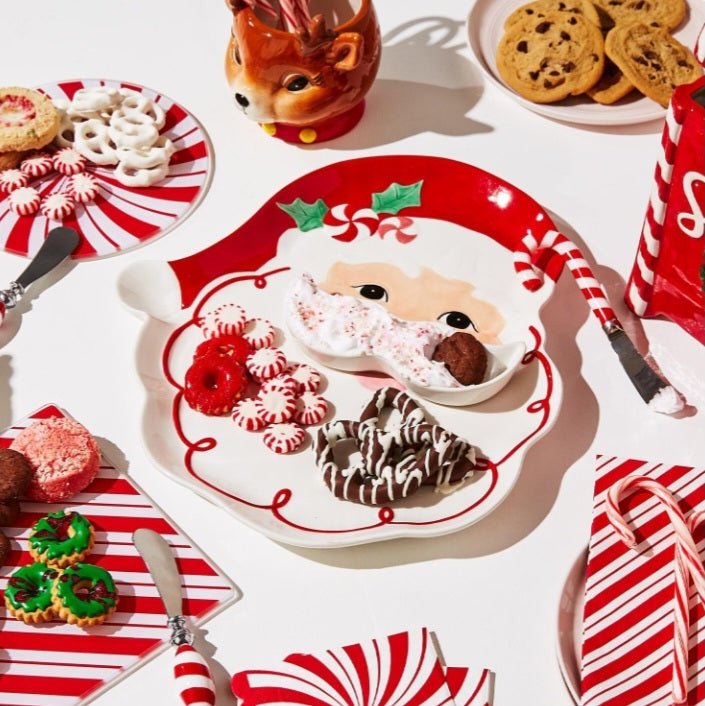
x,y
688,565
529,249
193,677
265,7
295,14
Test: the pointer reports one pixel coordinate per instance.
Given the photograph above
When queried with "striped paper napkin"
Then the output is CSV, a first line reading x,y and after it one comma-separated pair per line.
x,y
628,650
403,669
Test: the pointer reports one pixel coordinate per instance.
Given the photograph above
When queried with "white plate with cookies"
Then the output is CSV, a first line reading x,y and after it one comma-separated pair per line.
x,y
486,28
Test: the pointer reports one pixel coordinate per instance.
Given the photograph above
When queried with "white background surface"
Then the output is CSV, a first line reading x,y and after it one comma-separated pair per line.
x,y
489,592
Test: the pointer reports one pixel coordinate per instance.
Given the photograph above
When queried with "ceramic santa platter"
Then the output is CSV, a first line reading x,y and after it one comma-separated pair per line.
x,y
433,236
120,217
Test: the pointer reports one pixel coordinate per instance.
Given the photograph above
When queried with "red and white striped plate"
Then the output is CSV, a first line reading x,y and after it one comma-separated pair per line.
x,y
62,664
121,217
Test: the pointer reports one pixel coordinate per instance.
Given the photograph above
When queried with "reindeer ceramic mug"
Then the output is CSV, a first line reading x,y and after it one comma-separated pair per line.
x,y
299,79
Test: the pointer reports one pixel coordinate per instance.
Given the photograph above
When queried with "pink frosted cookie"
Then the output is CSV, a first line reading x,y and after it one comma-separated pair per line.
x,y
63,455
311,408
284,438
67,161
24,201
246,414
226,320
82,187
265,363
259,333
58,206
281,382
275,406
11,179
307,378
37,165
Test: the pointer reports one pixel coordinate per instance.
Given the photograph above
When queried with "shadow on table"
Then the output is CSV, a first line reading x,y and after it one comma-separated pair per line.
x,y
546,461
400,105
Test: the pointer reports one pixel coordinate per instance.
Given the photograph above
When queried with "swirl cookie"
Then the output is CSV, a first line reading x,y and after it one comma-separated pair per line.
x,y
549,58
539,8
651,59
28,119
664,13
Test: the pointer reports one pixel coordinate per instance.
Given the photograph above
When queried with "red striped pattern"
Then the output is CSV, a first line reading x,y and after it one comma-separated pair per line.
x,y
399,670
193,677
628,628
64,664
530,251
641,280
120,217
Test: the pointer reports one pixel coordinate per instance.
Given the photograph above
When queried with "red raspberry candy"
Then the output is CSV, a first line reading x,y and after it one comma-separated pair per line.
x,y
214,383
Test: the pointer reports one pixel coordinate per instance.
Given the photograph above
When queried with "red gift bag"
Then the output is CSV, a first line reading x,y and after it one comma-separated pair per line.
x,y
666,278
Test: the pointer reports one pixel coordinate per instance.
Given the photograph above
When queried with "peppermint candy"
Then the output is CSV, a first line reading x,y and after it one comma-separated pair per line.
x,y
57,206
275,406
67,161
24,201
259,333
11,179
284,438
281,382
265,363
311,408
36,165
347,223
306,377
246,415
82,187
225,320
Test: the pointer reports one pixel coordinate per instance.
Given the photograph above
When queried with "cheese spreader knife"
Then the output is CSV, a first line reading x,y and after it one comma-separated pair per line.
x,y
57,246
193,676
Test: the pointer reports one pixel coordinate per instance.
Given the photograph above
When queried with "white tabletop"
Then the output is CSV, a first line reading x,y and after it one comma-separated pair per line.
x,y
491,591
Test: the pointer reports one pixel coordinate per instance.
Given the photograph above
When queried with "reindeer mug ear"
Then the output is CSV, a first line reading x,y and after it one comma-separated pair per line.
x,y
345,53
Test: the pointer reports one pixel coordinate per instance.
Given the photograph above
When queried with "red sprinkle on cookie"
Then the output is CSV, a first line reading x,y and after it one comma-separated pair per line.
x,y
284,438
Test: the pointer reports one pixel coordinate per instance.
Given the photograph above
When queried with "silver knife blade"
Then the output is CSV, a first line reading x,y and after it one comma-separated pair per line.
x,y
58,245
646,381
159,558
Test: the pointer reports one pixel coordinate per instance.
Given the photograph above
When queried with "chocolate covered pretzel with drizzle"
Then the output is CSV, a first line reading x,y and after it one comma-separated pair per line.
x,y
395,460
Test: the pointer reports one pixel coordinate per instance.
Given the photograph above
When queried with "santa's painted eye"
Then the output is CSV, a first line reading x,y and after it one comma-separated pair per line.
x,y
372,291
296,83
457,319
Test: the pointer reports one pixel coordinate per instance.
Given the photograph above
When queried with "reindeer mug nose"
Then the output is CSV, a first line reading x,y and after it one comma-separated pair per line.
x,y
242,100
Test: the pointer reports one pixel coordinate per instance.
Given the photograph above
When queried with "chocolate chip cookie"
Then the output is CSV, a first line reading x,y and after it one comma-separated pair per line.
x,y
549,58
664,13
653,60
612,86
539,8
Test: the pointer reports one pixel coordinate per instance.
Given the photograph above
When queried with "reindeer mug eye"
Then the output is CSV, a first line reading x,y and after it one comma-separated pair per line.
x,y
296,83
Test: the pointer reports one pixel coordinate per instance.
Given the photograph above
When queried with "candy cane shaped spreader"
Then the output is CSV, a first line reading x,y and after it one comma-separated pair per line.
x,y
688,565
655,391
191,671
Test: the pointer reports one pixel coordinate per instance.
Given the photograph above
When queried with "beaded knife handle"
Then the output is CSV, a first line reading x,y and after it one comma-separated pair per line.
x,y
193,676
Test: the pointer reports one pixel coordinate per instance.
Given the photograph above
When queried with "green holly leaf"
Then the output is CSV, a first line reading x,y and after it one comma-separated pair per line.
x,y
396,197
307,216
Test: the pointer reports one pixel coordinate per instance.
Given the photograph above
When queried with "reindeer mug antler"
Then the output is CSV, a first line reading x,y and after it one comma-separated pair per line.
x,y
301,80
